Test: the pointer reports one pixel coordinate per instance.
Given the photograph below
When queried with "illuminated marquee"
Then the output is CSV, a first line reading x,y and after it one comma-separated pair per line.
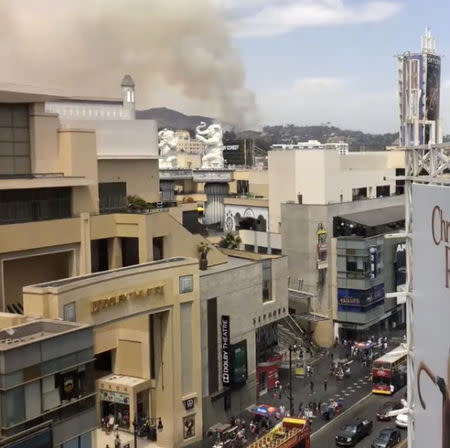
x,y
111,301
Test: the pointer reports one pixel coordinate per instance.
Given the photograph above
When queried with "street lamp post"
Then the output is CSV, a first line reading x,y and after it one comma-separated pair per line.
x,y
291,398
135,432
154,422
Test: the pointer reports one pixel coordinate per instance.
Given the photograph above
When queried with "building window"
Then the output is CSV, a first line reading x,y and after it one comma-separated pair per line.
x,y
399,184
359,193
14,140
242,187
69,312
112,196
34,204
186,284
267,280
383,190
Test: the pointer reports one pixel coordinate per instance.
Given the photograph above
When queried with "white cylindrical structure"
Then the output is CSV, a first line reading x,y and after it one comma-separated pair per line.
x,y
215,194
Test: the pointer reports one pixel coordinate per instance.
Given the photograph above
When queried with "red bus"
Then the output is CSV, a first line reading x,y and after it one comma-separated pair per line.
x,y
389,372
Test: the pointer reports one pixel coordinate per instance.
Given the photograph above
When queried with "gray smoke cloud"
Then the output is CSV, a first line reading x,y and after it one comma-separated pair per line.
x,y
178,51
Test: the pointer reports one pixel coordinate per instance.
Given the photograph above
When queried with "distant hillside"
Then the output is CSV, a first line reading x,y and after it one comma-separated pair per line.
x,y
168,118
358,141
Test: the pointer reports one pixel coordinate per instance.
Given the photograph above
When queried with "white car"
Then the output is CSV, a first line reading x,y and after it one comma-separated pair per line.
x,y
402,421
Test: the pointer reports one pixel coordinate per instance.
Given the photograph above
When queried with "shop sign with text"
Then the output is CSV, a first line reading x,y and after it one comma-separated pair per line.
x,y
226,358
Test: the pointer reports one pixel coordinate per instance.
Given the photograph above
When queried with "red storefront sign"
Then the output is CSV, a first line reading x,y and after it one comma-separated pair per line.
x,y
270,369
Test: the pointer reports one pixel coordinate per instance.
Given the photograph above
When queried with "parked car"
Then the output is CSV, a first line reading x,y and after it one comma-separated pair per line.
x,y
402,421
388,407
353,432
387,438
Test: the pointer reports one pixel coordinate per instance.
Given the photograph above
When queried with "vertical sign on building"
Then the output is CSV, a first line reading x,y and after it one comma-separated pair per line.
x,y
373,258
226,364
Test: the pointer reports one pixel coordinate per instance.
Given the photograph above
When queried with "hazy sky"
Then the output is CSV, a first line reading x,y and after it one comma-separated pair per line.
x,y
312,61
302,61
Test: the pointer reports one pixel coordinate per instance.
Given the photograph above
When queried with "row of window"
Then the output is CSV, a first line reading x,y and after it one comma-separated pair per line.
x,y
30,400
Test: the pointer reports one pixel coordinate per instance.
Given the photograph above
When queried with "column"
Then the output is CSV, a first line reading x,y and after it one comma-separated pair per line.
x,y
215,194
114,253
85,244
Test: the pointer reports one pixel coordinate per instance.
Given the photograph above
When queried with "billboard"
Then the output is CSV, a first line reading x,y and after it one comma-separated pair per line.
x,y
433,87
239,373
238,152
357,300
226,358
430,326
400,269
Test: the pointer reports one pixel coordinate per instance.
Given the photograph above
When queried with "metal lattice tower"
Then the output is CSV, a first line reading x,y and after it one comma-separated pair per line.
x,y
426,164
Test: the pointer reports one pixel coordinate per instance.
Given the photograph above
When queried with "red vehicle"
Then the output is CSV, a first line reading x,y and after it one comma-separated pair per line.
x,y
389,372
290,433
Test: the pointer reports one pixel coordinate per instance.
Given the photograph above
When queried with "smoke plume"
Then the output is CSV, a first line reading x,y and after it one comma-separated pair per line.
x,y
179,52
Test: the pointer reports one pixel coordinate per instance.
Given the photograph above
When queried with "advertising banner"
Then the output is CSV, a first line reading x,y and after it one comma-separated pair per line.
x,y
226,358
400,269
433,87
238,152
358,300
430,326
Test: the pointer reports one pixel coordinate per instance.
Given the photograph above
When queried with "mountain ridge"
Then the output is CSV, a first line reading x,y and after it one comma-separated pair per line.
x,y
290,133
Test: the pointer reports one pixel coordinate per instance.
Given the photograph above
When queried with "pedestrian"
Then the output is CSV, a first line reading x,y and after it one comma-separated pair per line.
x,y
325,384
336,341
345,342
117,442
282,409
277,384
385,346
300,408
332,356
311,385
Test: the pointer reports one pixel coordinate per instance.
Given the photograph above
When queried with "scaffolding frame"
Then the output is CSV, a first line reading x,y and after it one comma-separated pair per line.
x,y
424,164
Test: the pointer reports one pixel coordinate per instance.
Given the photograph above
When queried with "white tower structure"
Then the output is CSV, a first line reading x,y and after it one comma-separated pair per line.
x,y
419,92
129,107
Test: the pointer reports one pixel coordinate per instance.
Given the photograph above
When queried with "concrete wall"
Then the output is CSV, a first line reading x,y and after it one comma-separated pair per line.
x,y
43,140
141,176
259,183
280,190
77,156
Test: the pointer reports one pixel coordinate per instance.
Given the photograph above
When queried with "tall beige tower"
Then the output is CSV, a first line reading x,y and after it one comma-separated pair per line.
x,y
129,108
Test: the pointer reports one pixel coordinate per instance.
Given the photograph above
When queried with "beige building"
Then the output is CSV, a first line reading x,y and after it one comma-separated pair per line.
x,y
57,219
188,144
325,177
146,321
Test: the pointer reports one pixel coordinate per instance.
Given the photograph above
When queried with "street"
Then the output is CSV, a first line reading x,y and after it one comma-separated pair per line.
x,y
325,438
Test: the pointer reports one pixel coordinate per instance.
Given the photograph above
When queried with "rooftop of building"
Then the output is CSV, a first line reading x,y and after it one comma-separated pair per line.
x,y
232,263
41,180
113,273
29,93
33,330
255,202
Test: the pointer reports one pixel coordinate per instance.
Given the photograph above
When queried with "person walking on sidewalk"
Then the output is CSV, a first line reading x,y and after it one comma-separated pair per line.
x,y
325,384
311,385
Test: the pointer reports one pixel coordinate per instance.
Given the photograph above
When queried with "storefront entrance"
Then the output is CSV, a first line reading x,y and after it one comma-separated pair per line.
x,y
124,399
116,405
